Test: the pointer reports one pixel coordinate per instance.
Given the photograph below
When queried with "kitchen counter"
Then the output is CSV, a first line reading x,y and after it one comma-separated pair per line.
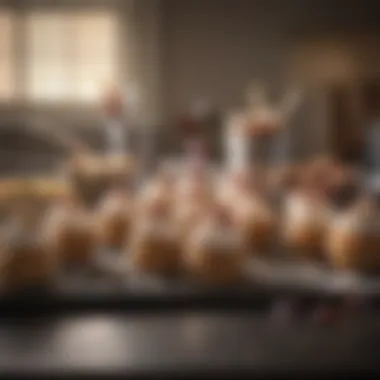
x,y
184,343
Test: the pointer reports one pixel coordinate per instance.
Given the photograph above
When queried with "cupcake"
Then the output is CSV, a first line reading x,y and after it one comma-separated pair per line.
x,y
115,217
72,233
304,224
92,176
155,243
188,215
353,240
157,193
215,253
256,221
86,177
25,258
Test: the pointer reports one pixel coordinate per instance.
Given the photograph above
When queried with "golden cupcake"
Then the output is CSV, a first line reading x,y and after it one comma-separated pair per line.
x,y
256,221
188,215
155,243
25,258
92,176
87,178
215,253
72,233
353,240
157,193
115,218
304,225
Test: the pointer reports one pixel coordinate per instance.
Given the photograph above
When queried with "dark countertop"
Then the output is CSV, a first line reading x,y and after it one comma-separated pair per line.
x,y
184,342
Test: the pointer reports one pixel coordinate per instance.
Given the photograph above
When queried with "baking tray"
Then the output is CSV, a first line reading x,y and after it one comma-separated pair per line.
x,y
121,288
267,279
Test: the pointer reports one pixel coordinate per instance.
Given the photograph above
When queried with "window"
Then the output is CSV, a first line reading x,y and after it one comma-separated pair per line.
x,y
95,54
7,78
66,56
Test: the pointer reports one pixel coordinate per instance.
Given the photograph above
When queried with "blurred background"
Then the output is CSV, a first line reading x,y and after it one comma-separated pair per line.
x,y
57,57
